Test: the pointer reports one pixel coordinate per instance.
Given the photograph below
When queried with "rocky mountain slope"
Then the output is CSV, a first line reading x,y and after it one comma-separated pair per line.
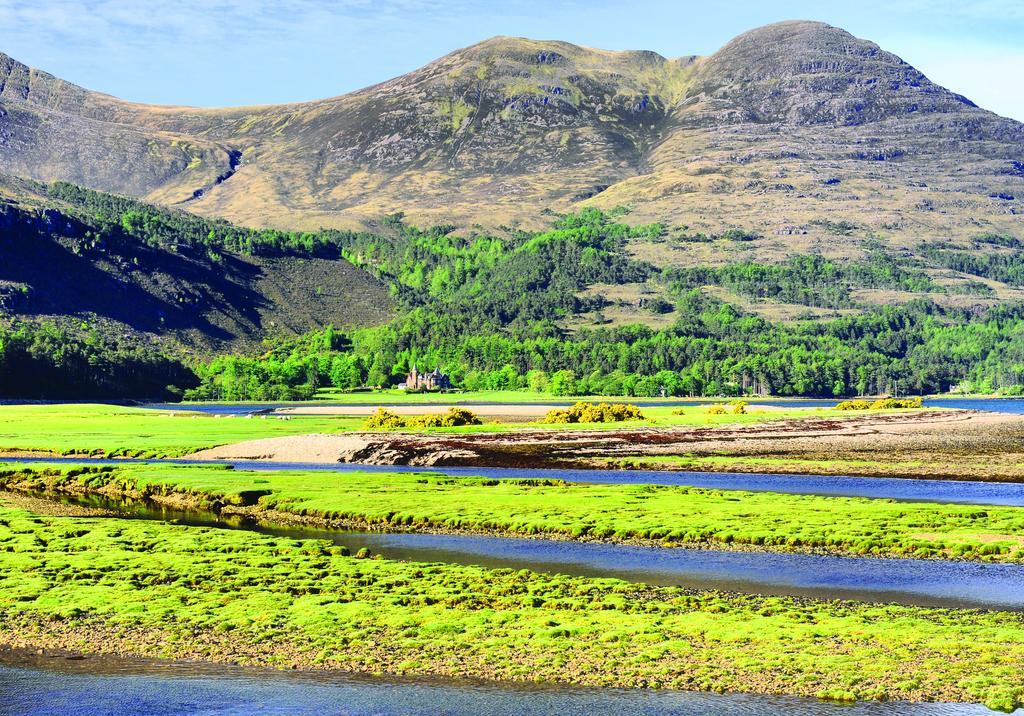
x,y
799,134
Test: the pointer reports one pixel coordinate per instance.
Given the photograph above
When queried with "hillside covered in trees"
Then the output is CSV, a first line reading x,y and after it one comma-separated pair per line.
x,y
158,303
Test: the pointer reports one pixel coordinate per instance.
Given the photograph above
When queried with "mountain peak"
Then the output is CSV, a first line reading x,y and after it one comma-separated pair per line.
x,y
804,72
500,131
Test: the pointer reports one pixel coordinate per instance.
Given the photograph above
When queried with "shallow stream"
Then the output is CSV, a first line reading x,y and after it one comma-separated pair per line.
x,y
48,686
939,583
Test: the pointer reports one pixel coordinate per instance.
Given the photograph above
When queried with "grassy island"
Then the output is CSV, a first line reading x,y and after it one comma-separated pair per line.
x,y
669,515
105,585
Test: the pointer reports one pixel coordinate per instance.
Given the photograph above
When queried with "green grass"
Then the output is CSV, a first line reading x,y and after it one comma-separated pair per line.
x,y
726,463
978,466
494,396
154,589
618,512
135,432
713,462
104,430
477,396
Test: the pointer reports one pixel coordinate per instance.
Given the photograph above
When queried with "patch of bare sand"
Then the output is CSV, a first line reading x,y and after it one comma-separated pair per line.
x,y
53,508
934,444
316,447
366,448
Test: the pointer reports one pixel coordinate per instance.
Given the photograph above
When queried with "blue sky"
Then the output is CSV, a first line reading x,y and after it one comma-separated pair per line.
x,y
230,52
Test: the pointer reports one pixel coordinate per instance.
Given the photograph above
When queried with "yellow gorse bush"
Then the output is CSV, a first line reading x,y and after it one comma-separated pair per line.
x,y
880,404
386,420
736,407
594,413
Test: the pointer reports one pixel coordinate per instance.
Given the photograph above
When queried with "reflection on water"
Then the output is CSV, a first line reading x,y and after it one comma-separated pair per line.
x,y
940,583
905,581
105,687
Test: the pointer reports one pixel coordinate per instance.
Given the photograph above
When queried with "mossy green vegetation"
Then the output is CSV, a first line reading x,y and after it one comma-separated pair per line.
x,y
156,589
979,466
672,515
112,431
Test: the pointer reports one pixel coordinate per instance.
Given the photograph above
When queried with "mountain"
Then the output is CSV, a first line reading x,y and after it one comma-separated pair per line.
x,y
797,134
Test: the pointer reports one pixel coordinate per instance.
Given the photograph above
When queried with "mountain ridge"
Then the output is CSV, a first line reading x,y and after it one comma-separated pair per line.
x,y
786,125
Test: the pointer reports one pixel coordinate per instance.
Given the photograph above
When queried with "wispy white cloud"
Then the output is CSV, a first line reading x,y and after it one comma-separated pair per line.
x,y
89,22
110,39
108,44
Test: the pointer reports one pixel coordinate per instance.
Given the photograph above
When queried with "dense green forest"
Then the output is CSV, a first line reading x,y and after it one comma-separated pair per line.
x,y
489,311
45,360
492,323
712,350
807,280
109,216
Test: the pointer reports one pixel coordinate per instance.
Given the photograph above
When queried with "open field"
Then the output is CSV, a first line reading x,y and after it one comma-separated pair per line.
x,y
107,430
620,513
101,585
89,429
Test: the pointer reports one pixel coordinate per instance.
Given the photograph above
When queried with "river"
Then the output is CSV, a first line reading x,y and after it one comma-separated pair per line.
x,y
918,582
52,686
996,405
888,488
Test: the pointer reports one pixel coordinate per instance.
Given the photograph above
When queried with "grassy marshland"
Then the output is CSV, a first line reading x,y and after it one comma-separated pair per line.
x,y
148,588
617,512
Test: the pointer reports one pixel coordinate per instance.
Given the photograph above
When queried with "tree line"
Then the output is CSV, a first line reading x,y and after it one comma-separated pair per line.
x,y
490,311
712,350
46,360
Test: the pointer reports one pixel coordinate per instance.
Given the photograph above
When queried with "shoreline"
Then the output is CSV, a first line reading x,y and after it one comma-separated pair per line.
x,y
114,661
953,445
931,444
627,464
96,639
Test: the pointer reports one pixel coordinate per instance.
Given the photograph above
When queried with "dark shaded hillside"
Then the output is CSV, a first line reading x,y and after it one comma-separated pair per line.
x,y
58,259
75,360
